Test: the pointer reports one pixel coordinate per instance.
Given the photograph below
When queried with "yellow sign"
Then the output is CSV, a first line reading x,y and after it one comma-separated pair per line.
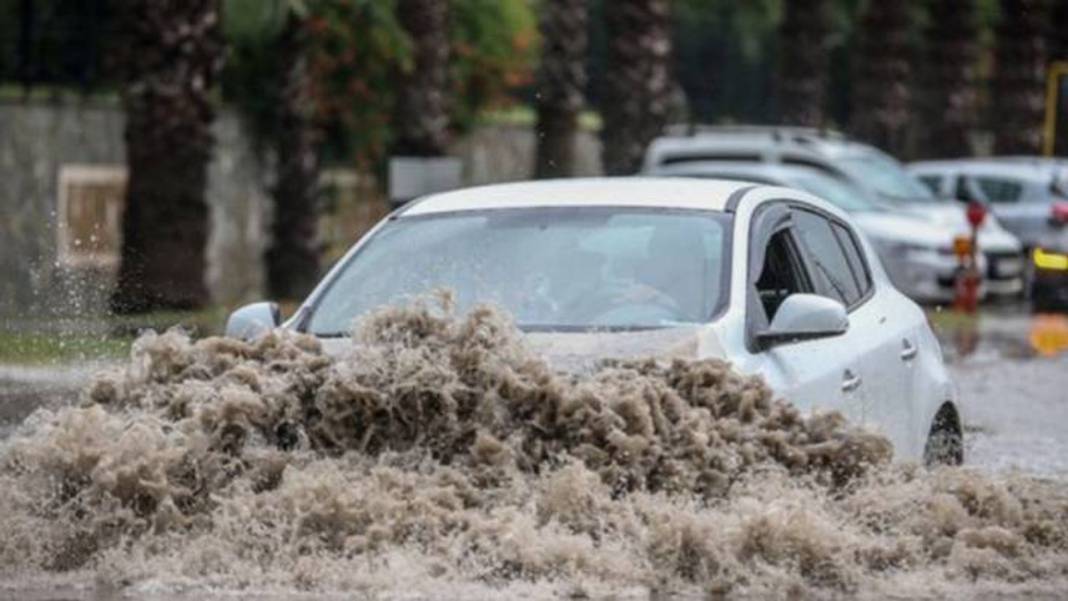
x,y
1057,70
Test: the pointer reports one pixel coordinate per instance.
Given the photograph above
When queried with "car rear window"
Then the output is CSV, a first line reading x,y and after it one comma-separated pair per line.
x,y
934,182
1000,190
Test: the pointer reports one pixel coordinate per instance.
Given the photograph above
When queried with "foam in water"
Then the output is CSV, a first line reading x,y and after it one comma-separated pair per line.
x,y
438,456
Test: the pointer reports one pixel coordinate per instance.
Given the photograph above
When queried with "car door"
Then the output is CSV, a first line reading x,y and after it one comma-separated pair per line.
x,y
874,378
815,374
897,325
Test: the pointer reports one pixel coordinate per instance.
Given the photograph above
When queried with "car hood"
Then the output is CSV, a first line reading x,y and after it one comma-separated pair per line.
x,y
992,235
933,225
581,351
904,228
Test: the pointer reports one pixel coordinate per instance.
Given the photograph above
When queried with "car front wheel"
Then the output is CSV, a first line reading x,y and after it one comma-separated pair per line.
x,y
945,443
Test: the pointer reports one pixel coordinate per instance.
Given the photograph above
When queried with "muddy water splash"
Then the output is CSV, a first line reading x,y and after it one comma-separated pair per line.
x,y
438,457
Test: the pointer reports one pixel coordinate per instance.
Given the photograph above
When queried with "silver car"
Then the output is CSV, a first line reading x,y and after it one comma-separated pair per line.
x,y
913,230
1029,196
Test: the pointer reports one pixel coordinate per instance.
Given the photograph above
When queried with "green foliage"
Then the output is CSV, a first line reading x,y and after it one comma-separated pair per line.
x,y
32,348
252,22
494,45
249,78
725,55
356,49
753,21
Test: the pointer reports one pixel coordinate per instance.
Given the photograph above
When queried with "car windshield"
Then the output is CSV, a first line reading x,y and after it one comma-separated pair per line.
x,y
885,176
551,268
835,191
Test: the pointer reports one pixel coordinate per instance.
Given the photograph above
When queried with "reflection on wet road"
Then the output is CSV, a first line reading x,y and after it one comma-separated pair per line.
x,y
1011,371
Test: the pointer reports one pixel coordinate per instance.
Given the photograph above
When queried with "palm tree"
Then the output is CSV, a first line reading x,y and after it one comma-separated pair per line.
x,y
881,75
1058,51
803,64
561,80
637,99
1019,77
949,102
293,256
422,118
169,57
1058,31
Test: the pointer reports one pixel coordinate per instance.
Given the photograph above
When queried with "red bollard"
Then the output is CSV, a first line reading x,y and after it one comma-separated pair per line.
x,y
967,290
966,287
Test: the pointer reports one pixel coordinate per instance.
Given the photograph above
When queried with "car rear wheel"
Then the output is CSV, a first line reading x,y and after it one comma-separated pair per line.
x,y
945,443
1044,301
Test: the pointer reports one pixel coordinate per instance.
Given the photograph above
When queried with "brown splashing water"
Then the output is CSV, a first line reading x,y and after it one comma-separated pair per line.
x,y
438,457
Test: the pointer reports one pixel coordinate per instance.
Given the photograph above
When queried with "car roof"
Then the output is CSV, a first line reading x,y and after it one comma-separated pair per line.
x,y
769,173
653,192
761,142
1018,167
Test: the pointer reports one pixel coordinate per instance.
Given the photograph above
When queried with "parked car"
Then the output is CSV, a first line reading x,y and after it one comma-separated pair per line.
x,y
772,279
914,232
1030,196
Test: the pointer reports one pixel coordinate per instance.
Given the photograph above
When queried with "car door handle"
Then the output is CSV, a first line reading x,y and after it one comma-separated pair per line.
x,y
850,381
909,351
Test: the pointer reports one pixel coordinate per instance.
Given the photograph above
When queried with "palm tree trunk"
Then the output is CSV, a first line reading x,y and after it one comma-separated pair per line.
x,y
1058,51
422,126
638,86
293,257
170,55
561,80
882,76
949,102
1019,90
803,62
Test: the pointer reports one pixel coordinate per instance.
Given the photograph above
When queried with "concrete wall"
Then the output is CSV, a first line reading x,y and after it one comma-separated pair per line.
x,y
38,138
504,153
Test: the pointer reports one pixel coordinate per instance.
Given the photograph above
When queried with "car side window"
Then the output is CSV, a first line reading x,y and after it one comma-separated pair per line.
x,y
783,273
831,270
1000,190
855,255
934,182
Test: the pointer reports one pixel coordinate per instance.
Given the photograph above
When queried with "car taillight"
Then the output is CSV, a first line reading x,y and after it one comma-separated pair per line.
x,y
1058,212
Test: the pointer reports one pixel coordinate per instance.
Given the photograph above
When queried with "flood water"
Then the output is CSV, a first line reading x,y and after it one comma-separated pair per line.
x,y
441,459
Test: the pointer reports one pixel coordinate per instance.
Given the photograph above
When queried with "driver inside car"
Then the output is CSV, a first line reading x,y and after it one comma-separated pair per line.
x,y
670,274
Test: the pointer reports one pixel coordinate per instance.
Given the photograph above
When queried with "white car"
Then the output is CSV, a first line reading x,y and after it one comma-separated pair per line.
x,y
775,280
916,248
927,268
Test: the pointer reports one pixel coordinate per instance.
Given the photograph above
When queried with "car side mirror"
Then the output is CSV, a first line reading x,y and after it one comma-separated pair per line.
x,y
804,317
252,321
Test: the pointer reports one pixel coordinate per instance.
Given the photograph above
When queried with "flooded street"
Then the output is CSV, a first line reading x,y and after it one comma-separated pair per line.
x,y
232,489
